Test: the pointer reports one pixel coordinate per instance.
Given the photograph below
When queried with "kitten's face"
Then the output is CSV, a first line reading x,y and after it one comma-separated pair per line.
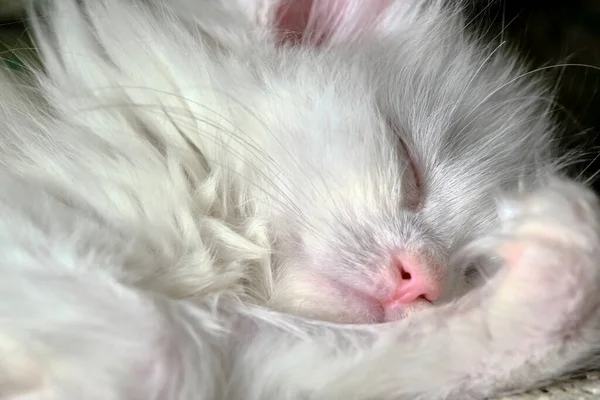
x,y
389,151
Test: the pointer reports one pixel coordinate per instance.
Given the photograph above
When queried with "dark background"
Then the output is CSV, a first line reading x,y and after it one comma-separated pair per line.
x,y
545,32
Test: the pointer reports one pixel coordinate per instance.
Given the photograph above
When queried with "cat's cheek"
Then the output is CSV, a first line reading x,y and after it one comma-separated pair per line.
x,y
304,293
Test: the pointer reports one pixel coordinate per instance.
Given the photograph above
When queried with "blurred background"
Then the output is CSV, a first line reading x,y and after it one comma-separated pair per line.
x,y
549,34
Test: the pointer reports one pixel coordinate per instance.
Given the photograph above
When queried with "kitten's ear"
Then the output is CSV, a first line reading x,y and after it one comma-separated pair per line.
x,y
338,21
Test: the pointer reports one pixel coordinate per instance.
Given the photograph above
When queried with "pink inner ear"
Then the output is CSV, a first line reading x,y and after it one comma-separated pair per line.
x,y
292,19
315,21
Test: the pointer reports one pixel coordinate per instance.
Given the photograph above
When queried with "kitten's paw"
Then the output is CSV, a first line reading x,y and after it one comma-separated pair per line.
x,y
550,243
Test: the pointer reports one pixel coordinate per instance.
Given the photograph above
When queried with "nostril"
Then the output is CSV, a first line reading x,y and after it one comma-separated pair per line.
x,y
405,274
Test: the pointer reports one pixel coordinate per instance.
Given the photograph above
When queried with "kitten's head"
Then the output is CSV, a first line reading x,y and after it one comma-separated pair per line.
x,y
395,130
402,131
388,131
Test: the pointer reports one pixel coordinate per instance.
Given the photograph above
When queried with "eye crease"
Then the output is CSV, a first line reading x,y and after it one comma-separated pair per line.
x,y
412,188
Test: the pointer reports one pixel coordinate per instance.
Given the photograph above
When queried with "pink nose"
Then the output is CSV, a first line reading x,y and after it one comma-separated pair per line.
x,y
416,281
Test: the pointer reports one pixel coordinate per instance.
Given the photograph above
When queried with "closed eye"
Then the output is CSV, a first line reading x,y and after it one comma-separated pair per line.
x,y
412,188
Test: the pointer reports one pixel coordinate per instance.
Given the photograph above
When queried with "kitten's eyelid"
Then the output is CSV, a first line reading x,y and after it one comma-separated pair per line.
x,y
411,178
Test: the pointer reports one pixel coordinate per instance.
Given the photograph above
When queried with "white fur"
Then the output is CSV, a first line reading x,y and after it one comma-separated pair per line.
x,y
174,173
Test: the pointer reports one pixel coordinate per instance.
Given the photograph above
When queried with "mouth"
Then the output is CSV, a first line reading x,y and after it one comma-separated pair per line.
x,y
394,310
364,307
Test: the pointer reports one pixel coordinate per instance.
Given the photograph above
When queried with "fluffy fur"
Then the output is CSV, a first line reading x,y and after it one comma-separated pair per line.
x,y
187,182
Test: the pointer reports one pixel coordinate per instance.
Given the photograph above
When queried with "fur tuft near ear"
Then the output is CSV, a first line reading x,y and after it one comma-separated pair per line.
x,y
303,22
341,21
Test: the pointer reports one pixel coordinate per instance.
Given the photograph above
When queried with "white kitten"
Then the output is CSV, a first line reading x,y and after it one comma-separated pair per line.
x,y
182,173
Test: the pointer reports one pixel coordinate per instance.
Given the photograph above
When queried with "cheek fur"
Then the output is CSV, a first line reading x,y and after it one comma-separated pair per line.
x,y
299,292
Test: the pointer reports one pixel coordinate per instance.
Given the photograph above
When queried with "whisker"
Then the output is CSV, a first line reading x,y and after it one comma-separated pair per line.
x,y
293,161
524,75
592,178
292,207
249,141
475,75
587,167
502,104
